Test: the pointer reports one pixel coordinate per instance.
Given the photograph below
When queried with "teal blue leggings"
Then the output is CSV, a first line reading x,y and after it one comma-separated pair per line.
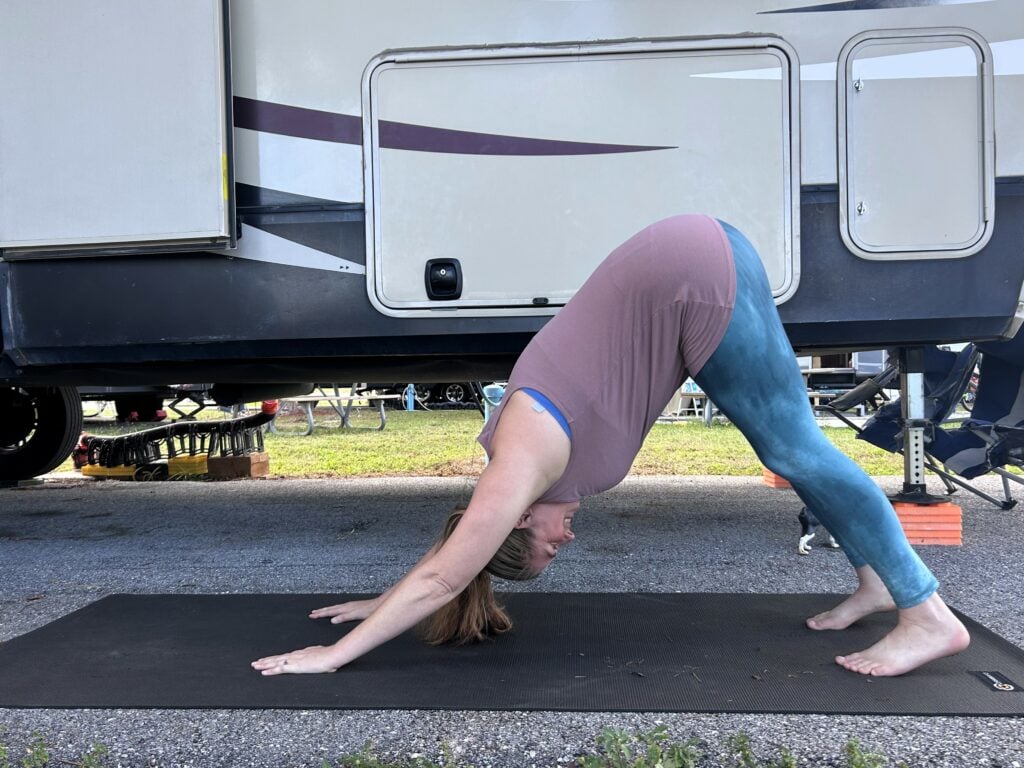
x,y
753,377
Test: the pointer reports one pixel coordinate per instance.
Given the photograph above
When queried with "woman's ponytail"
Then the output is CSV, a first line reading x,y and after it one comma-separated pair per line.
x,y
475,614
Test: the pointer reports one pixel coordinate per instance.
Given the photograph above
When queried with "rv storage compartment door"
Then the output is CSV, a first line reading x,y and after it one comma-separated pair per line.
x,y
528,166
114,126
916,144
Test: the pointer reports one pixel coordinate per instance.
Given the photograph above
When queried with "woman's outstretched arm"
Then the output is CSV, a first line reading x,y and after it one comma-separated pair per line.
x,y
530,453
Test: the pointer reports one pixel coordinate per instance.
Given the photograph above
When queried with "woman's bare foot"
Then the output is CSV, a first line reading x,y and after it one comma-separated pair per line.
x,y
871,597
926,632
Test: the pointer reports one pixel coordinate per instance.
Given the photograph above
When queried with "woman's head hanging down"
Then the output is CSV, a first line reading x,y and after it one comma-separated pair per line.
x,y
474,614
686,296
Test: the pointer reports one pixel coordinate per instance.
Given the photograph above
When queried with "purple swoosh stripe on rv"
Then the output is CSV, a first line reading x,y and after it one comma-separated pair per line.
x,y
871,5
348,129
304,123
423,138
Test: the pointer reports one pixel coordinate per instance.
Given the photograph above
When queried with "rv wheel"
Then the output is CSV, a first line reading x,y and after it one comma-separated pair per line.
x,y
39,427
454,393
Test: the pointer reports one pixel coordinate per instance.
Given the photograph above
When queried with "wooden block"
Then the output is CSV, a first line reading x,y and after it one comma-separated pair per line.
x,y
231,467
772,480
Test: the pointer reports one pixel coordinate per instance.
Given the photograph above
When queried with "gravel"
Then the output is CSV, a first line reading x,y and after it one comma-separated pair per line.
x,y
68,542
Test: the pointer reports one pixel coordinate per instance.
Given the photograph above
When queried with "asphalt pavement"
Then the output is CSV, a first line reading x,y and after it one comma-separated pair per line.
x,y
68,542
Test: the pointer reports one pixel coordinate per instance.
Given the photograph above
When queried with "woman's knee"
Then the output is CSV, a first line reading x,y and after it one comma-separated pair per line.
x,y
802,460
786,467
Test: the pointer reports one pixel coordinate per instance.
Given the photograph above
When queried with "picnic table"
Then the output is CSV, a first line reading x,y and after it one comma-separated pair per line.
x,y
341,404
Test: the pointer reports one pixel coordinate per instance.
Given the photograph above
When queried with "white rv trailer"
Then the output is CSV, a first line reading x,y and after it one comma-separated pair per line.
x,y
271,191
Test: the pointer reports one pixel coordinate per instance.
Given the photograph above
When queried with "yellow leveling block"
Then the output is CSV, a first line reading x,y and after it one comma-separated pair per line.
x,y
154,471
177,468
187,465
109,473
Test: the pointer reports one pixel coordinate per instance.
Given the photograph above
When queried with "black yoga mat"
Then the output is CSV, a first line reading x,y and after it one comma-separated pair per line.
x,y
582,652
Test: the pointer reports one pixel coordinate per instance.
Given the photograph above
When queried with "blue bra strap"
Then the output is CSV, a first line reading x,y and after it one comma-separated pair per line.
x,y
550,408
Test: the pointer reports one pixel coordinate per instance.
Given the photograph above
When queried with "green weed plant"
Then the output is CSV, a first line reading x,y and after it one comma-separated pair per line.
x,y
743,756
645,750
37,754
365,758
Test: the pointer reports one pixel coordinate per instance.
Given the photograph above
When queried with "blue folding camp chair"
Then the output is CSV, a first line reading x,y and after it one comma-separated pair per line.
x,y
992,437
956,450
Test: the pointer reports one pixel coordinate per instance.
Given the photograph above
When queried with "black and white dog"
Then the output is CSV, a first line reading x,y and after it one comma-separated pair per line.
x,y
808,529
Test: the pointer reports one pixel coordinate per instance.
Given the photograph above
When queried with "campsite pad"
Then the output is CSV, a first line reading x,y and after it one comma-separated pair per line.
x,y
584,652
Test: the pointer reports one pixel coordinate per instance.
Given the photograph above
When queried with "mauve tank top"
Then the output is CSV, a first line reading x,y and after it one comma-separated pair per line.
x,y
650,315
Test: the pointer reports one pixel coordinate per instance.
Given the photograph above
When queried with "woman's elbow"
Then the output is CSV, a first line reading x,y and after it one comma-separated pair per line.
x,y
442,587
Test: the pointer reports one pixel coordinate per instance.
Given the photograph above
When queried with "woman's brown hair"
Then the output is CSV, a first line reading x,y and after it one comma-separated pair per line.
x,y
475,614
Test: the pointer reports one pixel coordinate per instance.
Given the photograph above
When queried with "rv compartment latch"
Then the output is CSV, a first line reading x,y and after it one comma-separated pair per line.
x,y
443,279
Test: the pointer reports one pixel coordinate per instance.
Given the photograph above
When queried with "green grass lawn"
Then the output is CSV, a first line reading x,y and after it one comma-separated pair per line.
x,y
443,443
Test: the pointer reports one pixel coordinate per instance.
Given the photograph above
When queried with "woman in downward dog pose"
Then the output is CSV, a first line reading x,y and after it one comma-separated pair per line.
x,y
685,296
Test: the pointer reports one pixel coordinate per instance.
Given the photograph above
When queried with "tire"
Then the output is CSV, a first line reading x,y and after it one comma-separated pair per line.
x,y
424,396
454,393
39,428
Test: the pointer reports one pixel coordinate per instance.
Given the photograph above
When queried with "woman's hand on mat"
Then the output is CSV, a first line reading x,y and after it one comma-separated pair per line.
x,y
354,610
316,658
